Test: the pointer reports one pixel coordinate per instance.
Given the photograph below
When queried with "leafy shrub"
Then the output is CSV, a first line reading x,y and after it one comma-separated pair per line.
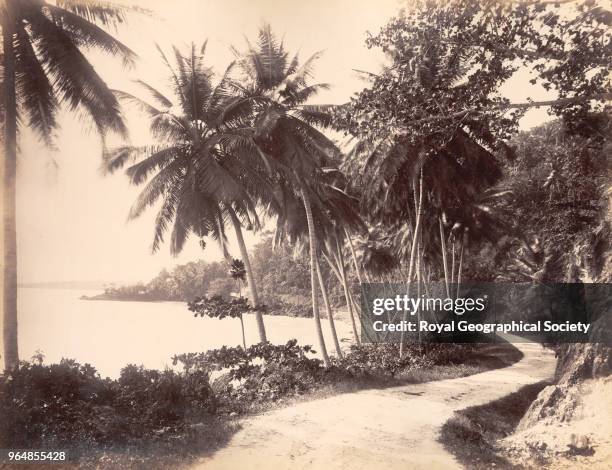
x,y
66,403
379,360
382,360
258,374
217,307
69,402
56,402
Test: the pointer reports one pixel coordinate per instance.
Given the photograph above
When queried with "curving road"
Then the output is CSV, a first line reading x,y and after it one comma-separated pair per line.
x,y
395,428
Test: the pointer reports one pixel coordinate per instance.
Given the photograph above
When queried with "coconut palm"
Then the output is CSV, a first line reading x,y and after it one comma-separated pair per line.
x,y
274,90
201,175
332,209
43,68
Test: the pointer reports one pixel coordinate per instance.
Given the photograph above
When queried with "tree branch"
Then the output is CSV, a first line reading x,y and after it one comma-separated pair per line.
x,y
526,105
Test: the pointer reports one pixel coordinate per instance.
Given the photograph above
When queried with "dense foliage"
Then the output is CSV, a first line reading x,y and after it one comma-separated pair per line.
x,y
555,204
66,403
69,402
282,277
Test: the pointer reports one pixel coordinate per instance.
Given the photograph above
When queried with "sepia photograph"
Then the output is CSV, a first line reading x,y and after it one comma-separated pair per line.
x,y
306,235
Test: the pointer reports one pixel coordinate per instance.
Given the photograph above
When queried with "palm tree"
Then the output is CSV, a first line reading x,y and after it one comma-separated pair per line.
x,y
333,208
285,129
43,68
202,175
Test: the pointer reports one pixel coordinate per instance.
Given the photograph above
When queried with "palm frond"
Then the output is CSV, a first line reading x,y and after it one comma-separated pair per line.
x,y
178,88
166,214
115,158
305,93
140,171
162,182
314,115
34,90
84,33
158,96
72,75
105,12
138,102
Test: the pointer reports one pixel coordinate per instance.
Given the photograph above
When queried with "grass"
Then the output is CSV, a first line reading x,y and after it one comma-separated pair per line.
x,y
471,434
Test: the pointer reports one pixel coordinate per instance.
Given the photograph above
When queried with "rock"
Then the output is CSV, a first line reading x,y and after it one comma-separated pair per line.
x,y
583,361
553,403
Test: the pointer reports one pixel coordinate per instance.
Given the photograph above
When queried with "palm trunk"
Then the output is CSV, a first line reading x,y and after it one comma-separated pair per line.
x,y
261,329
330,313
340,273
345,288
354,256
453,262
415,238
459,269
11,350
444,260
418,279
243,337
313,274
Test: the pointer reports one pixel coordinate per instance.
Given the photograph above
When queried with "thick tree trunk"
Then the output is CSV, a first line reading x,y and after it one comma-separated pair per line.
x,y
330,313
11,351
313,274
261,329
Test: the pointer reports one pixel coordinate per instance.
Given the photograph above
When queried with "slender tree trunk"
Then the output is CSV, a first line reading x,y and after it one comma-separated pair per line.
x,y
459,269
453,262
11,350
261,329
444,260
340,274
415,238
330,313
345,287
418,279
313,274
243,337
354,256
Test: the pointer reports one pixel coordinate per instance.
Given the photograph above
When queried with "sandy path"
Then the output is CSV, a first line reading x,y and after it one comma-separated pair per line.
x,y
395,428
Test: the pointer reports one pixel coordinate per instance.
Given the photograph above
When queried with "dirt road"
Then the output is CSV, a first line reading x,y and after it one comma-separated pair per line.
x,y
395,428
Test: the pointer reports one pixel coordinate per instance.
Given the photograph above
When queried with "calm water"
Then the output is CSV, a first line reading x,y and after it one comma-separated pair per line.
x,y
111,334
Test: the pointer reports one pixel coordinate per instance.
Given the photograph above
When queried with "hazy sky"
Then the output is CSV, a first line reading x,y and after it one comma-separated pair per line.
x,y
72,220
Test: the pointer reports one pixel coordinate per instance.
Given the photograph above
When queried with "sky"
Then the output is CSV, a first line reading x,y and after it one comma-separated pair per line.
x,y
72,220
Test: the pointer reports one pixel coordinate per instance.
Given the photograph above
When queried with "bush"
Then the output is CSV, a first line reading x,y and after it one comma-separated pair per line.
x,y
382,359
68,402
51,403
261,373
379,360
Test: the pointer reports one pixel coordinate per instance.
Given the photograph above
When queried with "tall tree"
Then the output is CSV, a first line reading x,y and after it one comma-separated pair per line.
x,y
437,108
198,160
43,67
275,90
